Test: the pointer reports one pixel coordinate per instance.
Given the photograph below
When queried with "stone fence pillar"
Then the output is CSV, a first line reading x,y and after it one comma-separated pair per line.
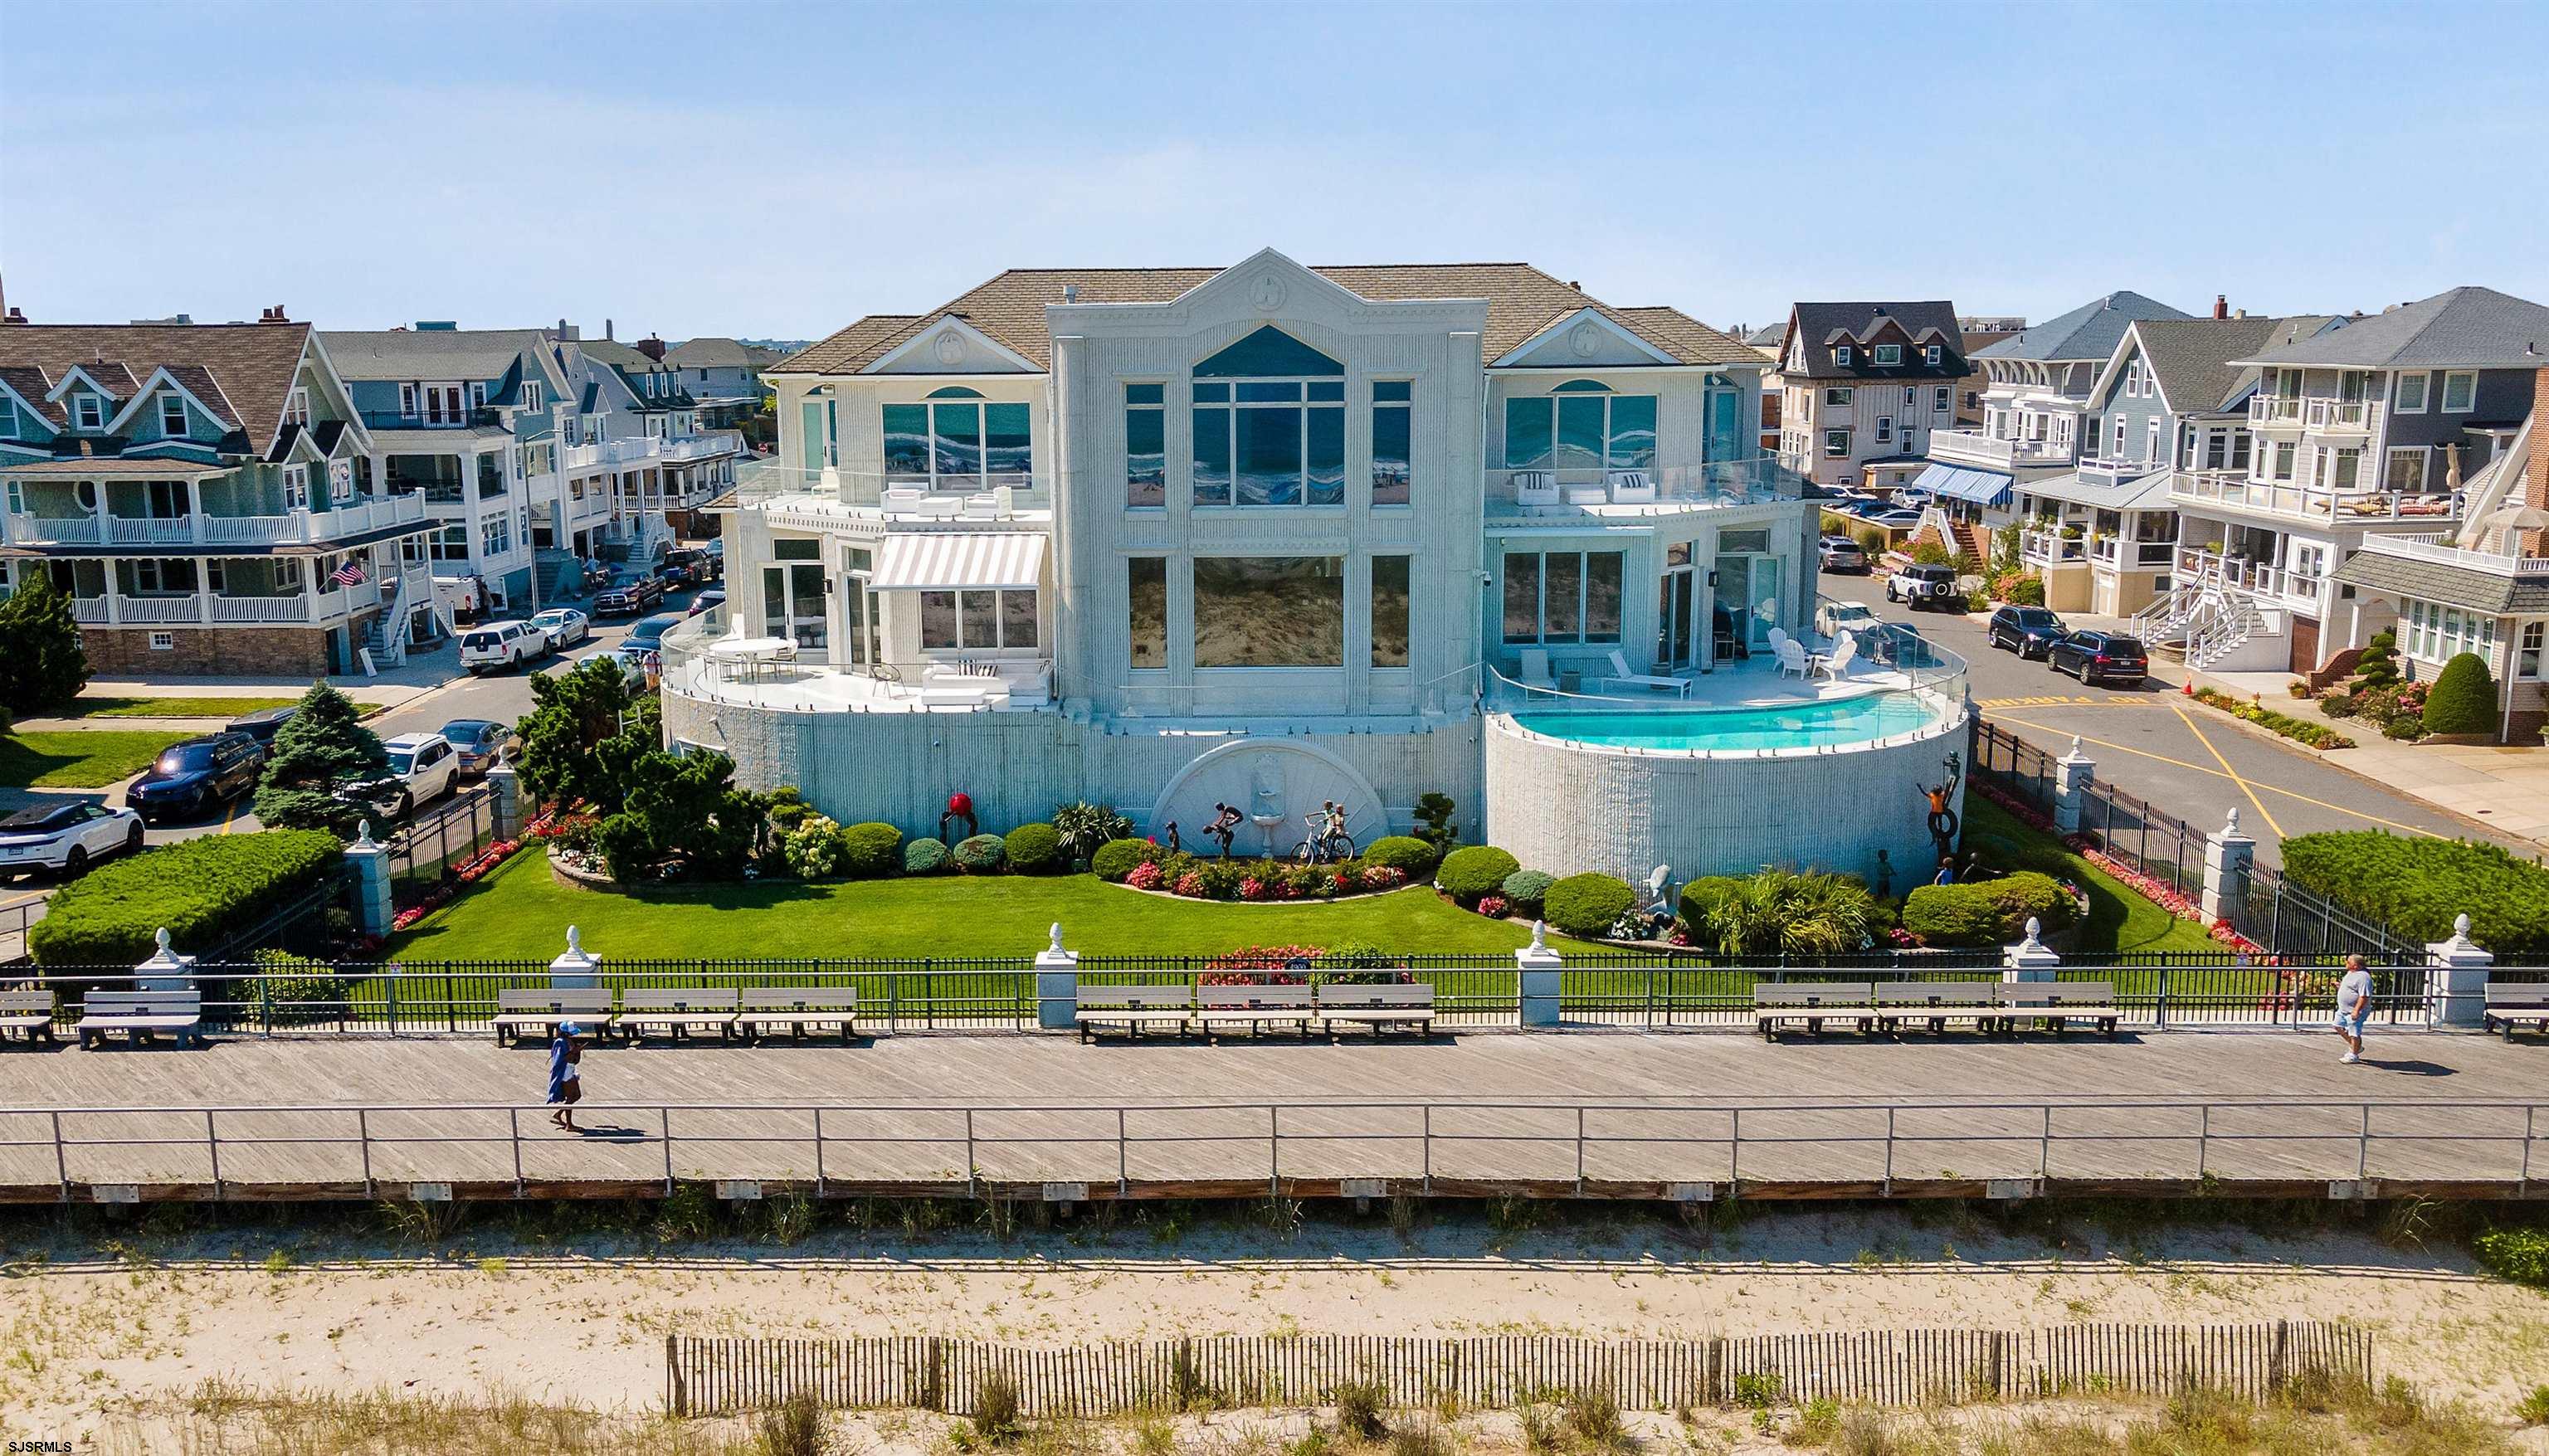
x,y
1057,983
575,970
2029,960
505,800
165,970
374,906
2456,980
2227,855
2072,775
1539,969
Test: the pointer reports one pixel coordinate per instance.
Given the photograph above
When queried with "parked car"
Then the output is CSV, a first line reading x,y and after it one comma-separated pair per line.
x,y
501,645
480,742
1842,554
712,597
2028,631
423,766
702,566
671,575
564,627
648,634
1892,520
1924,586
628,595
2101,657
262,725
190,779
632,663
65,837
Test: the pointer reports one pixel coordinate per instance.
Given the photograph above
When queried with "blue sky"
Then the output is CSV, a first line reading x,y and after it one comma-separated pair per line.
x,y
775,170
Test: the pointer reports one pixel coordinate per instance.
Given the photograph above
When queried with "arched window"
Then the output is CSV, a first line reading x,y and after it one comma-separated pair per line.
x,y
1582,387
953,392
1580,426
1270,424
957,442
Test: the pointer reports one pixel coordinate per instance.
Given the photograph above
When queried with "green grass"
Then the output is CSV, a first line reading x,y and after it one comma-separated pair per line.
x,y
2119,919
172,707
522,913
77,758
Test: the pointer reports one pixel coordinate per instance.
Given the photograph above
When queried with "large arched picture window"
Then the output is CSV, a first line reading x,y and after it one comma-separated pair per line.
x,y
1581,425
1270,424
957,441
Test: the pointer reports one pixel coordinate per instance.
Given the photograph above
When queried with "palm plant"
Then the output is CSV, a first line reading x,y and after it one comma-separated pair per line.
x,y
1785,912
1083,826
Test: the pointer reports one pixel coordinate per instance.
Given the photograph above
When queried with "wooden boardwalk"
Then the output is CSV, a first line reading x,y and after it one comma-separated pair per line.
x,y
1598,1116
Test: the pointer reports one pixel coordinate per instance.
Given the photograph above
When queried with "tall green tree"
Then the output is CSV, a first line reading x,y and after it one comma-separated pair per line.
x,y
41,644
684,815
324,749
585,734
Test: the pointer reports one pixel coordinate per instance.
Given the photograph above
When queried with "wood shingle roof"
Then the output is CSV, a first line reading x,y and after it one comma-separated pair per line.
x,y
247,368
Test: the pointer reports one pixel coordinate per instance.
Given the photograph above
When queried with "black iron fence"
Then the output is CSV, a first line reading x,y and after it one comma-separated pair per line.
x,y
431,851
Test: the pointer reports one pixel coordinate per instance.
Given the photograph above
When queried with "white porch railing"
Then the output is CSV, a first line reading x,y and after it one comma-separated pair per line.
x,y
2251,576
2334,416
1973,447
2051,548
198,528
2437,548
2318,504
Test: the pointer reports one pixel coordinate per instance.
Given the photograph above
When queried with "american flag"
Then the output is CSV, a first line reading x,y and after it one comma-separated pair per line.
x,y
349,575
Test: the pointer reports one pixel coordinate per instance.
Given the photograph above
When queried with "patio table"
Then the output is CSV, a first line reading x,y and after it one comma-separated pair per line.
x,y
750,653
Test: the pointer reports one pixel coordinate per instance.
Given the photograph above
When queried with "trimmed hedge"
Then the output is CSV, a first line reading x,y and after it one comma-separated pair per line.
x,y
1474,871
2299,730
1035,848
1116,858
924,857
981,854
1527,890
871,851
2416,886
2462,700
1401,852
308,990
1587,905
202,889
1991,912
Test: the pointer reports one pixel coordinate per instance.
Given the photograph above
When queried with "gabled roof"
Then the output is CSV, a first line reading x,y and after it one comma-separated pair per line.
x,y
249,368
621,356
1522,302
2192,358
2458,328
428,353
1769,335
718,353
2089,331
1823,328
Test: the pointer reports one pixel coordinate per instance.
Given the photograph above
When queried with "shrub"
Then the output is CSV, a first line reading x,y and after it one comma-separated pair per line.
x,y
981,854
1360,1404
998,1417
2520,1254
203,890
1527,890
1116,858
2338,704
1587,905
1035,848
871,851
1434,821
924,857
297,988
2020,589
1780,911
2378,665
1991,912
1928,553
1701,895
319,756
2299,730
2533,1409
2463,697
41,642
1146,875
2407,727
1468,874
1871,540
814,849
2415,886
1086,828
1401,852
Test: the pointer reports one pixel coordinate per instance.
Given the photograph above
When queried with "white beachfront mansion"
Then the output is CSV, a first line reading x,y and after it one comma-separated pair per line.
x,y
1265,536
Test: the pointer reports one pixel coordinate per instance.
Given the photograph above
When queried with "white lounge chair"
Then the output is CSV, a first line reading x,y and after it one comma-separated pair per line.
x,y
1792,658
1633,488
942,507
1844,652
1587,496
1534,674
903,501
1622,676
1534,487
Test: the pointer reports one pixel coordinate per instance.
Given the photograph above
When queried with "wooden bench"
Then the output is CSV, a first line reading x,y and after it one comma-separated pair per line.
x,y
2054,1005
545,1011
28,1013
681,1010
1810,1004
137,1014
1375,1006
2511,1006
796,1008
1254,1007
1132,1008
1938,1003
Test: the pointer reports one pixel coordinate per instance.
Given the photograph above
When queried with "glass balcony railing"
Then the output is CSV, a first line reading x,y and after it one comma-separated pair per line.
x,y
1540,493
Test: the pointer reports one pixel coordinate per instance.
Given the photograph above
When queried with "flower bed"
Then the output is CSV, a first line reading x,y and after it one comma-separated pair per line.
x,y
2299,730
1260,882
1298,965
2131,875
547,827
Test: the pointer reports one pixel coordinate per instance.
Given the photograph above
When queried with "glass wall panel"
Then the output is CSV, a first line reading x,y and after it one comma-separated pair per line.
x,y
980,613
1004,440
1270,457
1270,612
1528,440
1391,468
1389,611
1521,597
1017,619
1580,433
1633,432
1326,468
906,442
1563,598
938,619
1212,457
1146,580
957,444
1146,446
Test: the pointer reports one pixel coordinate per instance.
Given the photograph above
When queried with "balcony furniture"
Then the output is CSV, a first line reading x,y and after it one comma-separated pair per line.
x,y
750,654
1631,488
991,505
942,507
2425,505
902,499
1792,658
1844,652
1534,674
1534,487
1622,676
1587,496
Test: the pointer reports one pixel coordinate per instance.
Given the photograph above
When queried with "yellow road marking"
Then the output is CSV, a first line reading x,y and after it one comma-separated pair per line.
x,y
2217,773
230,815
2070,700
2227,770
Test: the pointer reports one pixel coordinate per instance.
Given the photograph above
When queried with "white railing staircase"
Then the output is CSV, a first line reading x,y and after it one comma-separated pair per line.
x,y
2208,620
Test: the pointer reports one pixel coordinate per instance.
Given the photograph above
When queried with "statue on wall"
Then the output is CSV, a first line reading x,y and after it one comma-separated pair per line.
x,y
1171,830
1225,820
1943,799
959,810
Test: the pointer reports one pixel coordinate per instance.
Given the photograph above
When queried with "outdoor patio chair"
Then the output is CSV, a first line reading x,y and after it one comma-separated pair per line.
x,y
1844,652
902,499
1534,487
1621,675
1633,488
1534,674
1792,658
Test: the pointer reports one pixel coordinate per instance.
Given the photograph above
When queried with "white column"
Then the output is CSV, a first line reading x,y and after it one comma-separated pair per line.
x,y
1057,980
2228,855
374,906
2072,775
2456,979
1540,971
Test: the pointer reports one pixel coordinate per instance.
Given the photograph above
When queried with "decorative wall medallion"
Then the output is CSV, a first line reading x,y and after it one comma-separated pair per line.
x,y
1584,339
949,346
1267,294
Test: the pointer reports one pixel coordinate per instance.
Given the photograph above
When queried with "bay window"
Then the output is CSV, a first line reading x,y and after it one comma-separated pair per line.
x,y
957,441
1562,597
2436,633
1580,426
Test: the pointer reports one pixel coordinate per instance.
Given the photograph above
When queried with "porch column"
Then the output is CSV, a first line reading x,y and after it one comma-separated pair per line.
x,y
1703,591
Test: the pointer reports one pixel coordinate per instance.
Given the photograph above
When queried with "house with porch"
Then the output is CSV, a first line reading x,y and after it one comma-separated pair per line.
x,y
667,466
1862,387
204,494
2368,430
724,375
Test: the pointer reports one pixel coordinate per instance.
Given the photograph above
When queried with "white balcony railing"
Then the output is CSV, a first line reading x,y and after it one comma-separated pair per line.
x,y
2440,549
2249,575
197,528
2313,412
2275,409
2322,504
216,609
2114,552
1974,447
1546,493
2051,547
645,448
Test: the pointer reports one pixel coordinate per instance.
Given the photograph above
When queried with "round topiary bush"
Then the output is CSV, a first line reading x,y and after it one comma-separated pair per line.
x,y
924,857
1035,848
1473,872
2462,700
1401,852
981,854
1586,905
871,851
1116,858
1527,889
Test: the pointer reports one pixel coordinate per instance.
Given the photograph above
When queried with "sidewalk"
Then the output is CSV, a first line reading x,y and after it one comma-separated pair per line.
x,y
422,673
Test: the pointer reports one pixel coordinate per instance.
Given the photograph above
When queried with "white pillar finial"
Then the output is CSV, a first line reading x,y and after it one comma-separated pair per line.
x,y
2460,926
573,941
165,946
2075,745
363,836
2034,932
1540,935
2233,826
1056,943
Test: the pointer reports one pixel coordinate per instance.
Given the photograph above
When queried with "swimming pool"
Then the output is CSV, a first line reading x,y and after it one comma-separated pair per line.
x,y
1834,723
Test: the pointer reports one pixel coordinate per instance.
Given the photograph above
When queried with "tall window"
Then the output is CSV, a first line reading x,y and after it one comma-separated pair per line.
x,y
1562,597
1146,444
978,619
2527,659
1270,612
296,487
1146,583
1580,426
1394,412
2407,468
451,543
495,533
956,442
172,416
1389,611
2411,393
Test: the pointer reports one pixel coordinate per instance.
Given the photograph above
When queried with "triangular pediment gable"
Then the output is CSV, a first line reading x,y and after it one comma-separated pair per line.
x,y
1582,338
1269,353
949,344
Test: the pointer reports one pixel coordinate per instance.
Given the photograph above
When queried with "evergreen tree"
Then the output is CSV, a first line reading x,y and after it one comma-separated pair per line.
x,y
323,749
39,642
584,736
2463,697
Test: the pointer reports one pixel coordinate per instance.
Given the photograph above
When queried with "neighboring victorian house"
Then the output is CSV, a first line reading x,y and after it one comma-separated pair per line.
x,y
1767,342
203,494
670,467
2372,429
1981,332
724,375
1863,385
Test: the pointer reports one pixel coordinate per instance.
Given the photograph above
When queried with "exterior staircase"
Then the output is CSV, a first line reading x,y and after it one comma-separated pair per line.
x,y
2214,626
560,573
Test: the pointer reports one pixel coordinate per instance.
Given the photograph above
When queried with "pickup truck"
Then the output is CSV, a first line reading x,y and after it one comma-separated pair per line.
x,y
1924,586
627,596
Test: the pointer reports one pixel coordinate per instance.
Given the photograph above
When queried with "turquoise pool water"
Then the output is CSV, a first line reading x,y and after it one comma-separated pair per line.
x,y
1834,724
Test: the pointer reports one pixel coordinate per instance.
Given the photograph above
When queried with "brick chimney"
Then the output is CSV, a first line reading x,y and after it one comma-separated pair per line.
x,y
2220,306
652,348
273,315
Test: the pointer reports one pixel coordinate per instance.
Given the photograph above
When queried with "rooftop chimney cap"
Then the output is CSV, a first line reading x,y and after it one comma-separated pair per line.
x,y
15,315
2221,306
1070,292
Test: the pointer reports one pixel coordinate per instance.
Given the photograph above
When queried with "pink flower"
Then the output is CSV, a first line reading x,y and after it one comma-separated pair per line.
x,y
1252,888
1190,884
1493,906
1145,876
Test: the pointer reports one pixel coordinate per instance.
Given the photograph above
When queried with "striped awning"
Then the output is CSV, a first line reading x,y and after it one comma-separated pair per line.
x,y
944,561
1981,486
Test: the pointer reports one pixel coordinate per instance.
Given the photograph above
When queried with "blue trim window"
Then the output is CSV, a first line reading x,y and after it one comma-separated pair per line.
x,y
1146,445
1580,426
957,441
1393,413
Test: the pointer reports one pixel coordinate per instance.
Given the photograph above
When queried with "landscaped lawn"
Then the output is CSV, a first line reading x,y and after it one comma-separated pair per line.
x,y
2119,920
172,707
77,758
521,912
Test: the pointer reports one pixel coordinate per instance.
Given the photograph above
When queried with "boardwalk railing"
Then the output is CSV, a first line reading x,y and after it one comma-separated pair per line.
x,y
722,1377
1614,991
1657,1150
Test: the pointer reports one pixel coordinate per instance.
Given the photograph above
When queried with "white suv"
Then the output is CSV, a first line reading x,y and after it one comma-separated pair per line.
x,y
423,766
65,837
501,645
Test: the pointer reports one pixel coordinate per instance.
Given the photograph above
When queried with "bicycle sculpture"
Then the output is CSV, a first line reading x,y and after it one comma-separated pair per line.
x,y
1327,842
1942,815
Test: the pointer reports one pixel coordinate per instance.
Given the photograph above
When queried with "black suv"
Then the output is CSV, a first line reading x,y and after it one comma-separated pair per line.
x,y
1926,586
2101,657
2028,631
263,724
190,779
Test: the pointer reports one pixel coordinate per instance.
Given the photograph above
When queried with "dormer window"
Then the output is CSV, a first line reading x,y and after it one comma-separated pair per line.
x,y
478,394
1889,353
1842,356
535,395
296,409
1930,354
89,412
172,416
296,487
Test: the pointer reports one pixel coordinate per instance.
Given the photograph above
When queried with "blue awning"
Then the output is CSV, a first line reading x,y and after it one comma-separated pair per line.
x,y
1981,486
